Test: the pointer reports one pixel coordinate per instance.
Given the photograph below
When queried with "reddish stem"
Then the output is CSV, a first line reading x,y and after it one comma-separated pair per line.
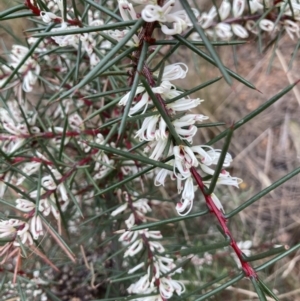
x,y
35,10
247,268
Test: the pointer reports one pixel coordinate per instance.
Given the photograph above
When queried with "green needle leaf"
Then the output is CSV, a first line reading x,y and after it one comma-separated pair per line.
x,y
205,40
135,84
100,67
209,59
220,163
254,113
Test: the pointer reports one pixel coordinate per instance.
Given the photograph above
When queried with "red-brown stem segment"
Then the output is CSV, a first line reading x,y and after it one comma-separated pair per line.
x,y
35,10
247,268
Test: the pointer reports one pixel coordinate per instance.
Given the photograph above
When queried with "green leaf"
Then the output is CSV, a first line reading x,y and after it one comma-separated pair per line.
x,y
193,90
266,290
209,59
87,29
277,258
101,66
259,292
205,40
168,221
263,192
254,113
268,253
21,290
134,86
104,9
220,288
204,248
12,10
127,155
26,56
219,166
160,106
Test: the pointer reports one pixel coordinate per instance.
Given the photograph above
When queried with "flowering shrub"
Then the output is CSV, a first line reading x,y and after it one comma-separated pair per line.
x,y
93,128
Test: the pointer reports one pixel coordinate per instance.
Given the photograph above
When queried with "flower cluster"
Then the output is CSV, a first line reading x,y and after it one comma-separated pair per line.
x,y
239,18
230,19
160,267
155,131
28,68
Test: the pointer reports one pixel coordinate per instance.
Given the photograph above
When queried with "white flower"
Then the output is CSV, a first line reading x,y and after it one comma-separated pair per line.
x,y
215,155
189,189
13,227
168,286
148,129
152,234
173,72
184,104
162,174
184,160
65,40
152,13
184,207
139,104
217,202
36,227
158,147
179,20
137,267
126,10
206,19
161,133
244,246
164,88
9,227
238,7
130,221
266,25
186,134
255,6
224,9
156,246
120,34
163,265
142,205
48,183
29,169
206,157
239,31
30,68
251,26
48,17
230,181
119,209
139,287
128,237
223,31
25,205
75,122
292,28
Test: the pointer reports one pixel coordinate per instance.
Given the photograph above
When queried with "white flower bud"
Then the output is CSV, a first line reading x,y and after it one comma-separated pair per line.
x,y
239,31
48,16
266,25
224,9
238,7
